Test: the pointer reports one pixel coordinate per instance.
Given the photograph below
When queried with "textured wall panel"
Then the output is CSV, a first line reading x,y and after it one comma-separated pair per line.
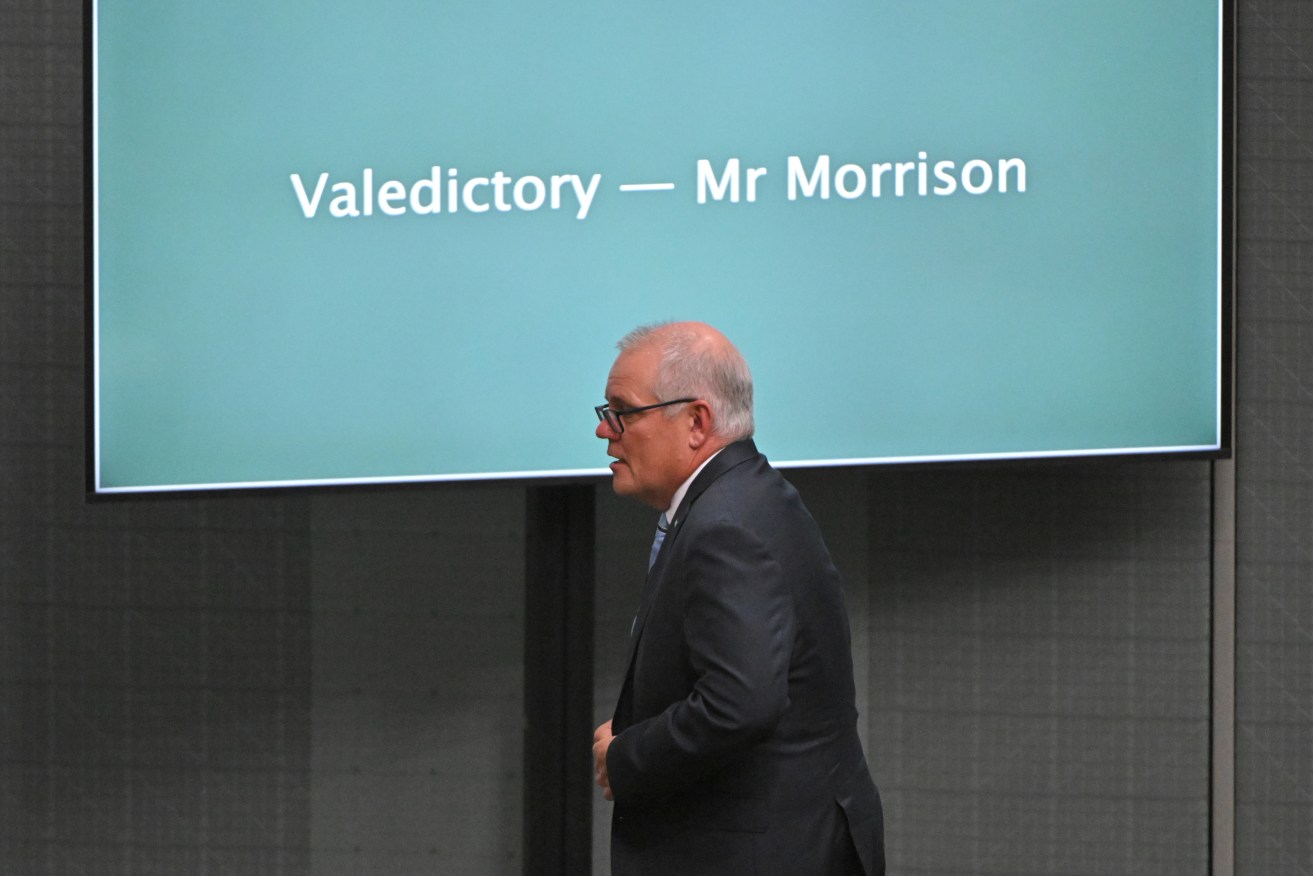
x,y
1040,668
418,680
1274,462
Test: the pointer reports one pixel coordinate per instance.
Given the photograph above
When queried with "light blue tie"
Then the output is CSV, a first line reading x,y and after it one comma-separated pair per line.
x,y
662,526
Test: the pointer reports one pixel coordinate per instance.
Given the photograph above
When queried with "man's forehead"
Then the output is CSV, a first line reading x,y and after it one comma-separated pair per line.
x,y
632,375
620,388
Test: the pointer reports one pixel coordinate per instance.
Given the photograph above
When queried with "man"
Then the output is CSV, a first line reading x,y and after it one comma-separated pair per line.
x,y
733,749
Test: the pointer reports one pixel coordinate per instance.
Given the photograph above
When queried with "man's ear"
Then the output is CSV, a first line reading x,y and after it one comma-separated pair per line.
x,y
701,425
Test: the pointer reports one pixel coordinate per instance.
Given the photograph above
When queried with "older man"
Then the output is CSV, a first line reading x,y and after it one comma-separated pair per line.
x,y
733,749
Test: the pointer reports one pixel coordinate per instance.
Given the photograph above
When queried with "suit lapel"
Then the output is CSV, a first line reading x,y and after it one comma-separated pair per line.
x,y
733,455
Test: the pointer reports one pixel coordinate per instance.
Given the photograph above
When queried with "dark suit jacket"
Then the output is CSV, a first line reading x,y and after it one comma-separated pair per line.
x,y
736,749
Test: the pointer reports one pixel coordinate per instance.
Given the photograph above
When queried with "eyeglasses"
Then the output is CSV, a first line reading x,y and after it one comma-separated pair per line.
x,y
611,416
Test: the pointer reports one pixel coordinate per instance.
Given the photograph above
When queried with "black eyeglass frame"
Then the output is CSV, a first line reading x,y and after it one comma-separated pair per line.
x,y
610,416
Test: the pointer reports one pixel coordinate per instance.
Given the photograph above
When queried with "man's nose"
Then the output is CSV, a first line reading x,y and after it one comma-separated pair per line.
x,y
605,432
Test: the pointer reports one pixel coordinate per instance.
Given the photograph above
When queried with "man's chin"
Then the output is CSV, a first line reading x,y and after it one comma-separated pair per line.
x,y
622,483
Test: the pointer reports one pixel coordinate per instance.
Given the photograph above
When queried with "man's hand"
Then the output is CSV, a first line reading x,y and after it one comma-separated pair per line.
x,y
601,742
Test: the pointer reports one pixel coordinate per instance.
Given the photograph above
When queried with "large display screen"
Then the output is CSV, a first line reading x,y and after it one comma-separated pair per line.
x,y
376,242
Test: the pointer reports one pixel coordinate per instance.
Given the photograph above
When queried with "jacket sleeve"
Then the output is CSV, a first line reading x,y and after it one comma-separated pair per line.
x,y
738,625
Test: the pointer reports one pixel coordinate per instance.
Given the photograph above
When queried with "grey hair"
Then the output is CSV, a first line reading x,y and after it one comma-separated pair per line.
x,y
690,367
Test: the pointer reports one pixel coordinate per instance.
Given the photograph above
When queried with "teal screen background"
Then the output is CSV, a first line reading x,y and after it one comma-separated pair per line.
x,y
239,342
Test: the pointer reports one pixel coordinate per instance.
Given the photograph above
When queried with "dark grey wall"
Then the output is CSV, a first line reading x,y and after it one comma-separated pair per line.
x,y
416,741
1274,463
1040,668
331,683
